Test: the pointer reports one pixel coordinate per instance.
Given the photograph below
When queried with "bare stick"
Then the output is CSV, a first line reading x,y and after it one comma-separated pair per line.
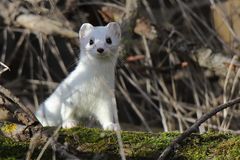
x,y
5,68
195,126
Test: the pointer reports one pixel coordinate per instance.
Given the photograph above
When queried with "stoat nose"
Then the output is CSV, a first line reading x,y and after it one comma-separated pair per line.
x,y
100,50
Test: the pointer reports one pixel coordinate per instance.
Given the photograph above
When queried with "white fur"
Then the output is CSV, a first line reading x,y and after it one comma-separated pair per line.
x,y
89,89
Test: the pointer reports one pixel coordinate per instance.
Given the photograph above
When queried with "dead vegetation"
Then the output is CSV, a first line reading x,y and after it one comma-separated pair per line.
x,y
179,59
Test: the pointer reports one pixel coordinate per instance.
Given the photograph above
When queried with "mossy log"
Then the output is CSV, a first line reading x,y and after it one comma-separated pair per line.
x,y
87,143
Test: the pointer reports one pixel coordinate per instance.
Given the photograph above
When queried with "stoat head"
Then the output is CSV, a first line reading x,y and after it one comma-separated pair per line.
x,y
100,42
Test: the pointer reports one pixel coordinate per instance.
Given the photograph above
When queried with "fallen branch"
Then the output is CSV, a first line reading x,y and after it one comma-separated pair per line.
x,y
90,143
195,126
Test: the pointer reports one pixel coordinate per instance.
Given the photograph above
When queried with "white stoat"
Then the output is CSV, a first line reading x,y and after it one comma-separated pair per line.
x,y
89,89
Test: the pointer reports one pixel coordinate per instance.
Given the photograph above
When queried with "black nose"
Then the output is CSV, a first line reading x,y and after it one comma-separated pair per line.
x,y
100,50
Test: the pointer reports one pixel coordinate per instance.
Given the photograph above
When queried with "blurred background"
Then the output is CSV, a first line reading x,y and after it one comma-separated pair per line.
x,y
178,60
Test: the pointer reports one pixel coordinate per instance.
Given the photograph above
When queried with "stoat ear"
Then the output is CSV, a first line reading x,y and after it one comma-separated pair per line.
x,y
85,29
115,29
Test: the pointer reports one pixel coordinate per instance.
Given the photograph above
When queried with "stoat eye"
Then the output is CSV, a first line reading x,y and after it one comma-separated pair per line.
x,y
91,42
108,40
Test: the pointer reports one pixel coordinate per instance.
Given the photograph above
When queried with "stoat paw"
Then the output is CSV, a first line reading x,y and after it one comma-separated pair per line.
x,y
69,124
111,127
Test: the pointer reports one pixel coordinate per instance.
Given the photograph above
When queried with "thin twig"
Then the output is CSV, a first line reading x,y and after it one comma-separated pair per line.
x,y
134,107
5,68
50,140
195,126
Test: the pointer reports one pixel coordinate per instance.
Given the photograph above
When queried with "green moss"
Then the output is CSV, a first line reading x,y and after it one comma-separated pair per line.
x,y
140,144
146,145
228,149
136,144
10,149
202,146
